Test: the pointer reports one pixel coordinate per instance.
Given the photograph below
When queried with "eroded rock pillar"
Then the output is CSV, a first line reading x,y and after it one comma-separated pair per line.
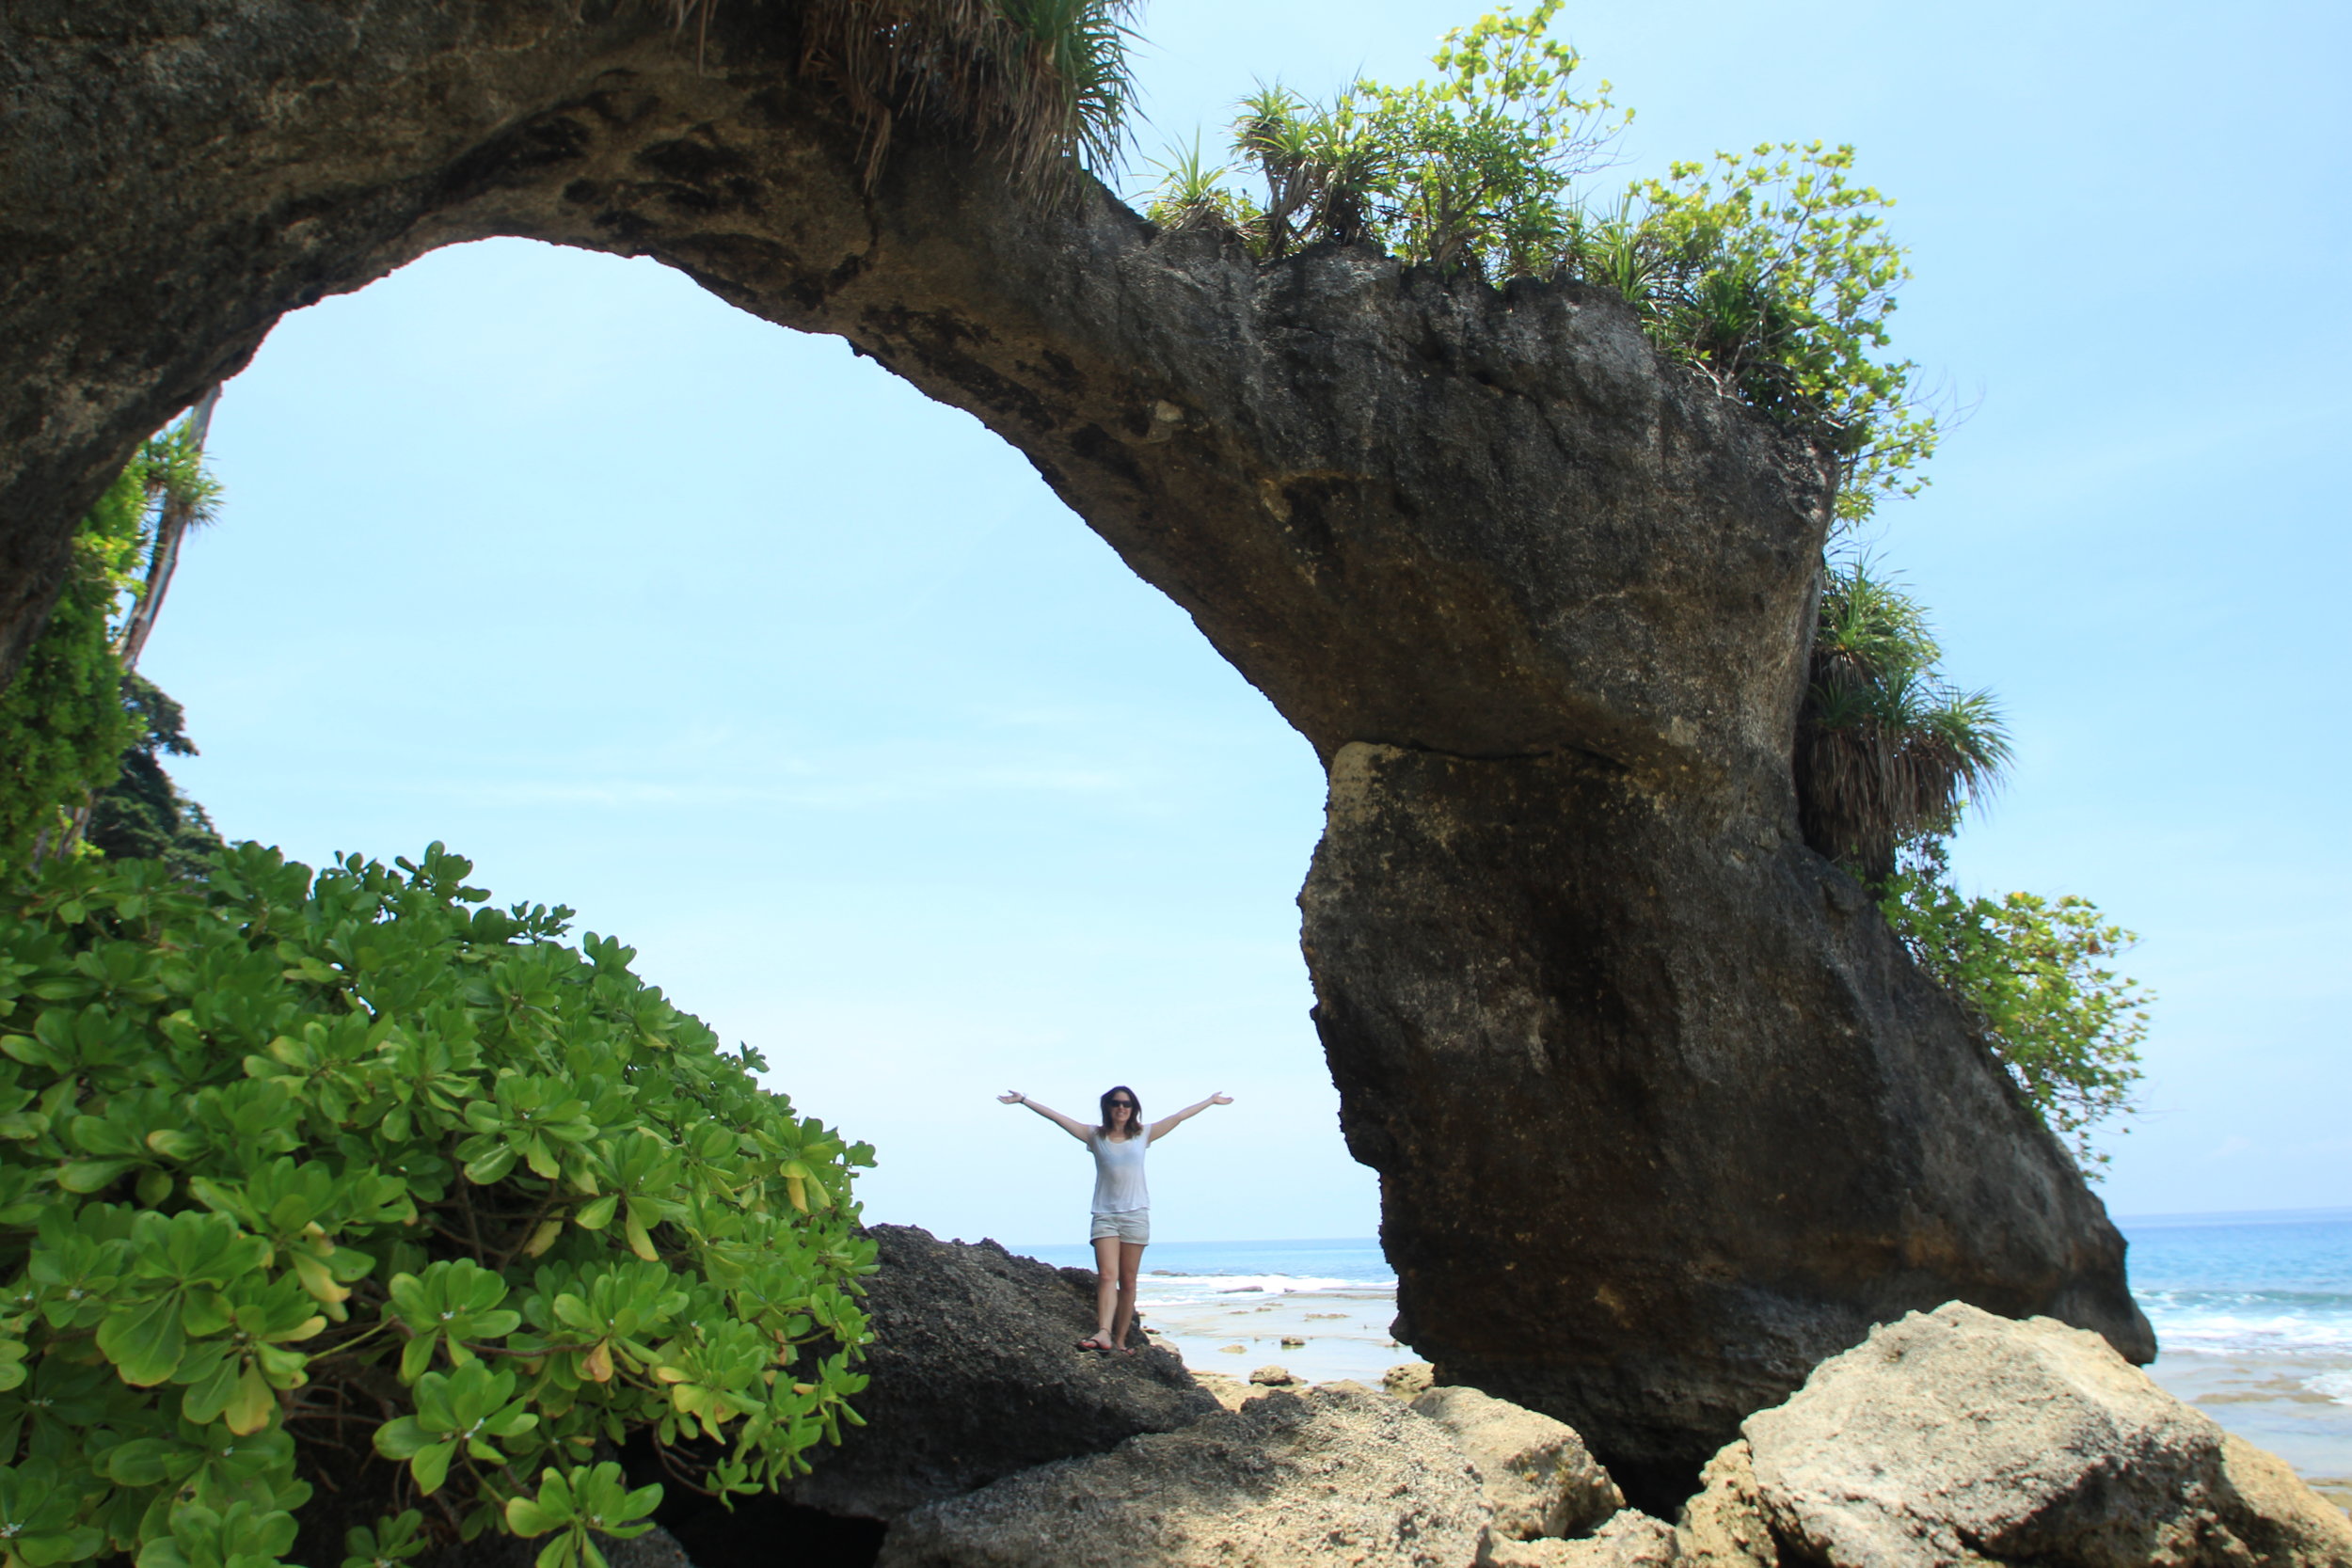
x,y
1662,1117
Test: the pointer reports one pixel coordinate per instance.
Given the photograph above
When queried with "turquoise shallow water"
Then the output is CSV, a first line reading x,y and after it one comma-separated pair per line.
x,y
2253,1319
2252,1312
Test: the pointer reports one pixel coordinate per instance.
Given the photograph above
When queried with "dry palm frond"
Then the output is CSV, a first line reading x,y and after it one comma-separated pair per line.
x,y
1042,83
1886,751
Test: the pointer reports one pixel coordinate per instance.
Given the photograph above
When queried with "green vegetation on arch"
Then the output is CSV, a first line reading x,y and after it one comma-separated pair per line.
x,y
2032,974
63,727
1889,756
1042,84
68,721
1768,272
296,1169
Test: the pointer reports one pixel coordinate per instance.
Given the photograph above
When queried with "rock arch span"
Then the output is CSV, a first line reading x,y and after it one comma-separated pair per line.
x,y
1661,1113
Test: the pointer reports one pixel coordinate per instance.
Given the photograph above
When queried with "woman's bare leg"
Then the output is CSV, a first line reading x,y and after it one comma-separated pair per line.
x,y
1106,1262
1130,1263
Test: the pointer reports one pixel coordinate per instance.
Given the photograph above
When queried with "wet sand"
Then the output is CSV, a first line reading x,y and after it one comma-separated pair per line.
x,y
1346,1331
2269,1401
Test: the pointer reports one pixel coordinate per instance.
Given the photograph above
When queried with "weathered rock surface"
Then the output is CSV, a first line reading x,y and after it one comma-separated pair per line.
x,y
1957,1437
1536,1474
1328,1476
975,1373
1630,1539
1662,1113
1409,1379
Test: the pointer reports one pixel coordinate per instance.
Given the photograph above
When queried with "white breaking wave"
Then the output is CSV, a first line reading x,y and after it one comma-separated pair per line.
x,y
2336,1386
1191,1289
2246,1324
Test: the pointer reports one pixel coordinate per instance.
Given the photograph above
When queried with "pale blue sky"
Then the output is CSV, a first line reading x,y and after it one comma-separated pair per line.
x,y
812,691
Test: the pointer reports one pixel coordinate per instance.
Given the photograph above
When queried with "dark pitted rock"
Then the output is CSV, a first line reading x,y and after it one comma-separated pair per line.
x,y
975,1373
1957,1437
1663,1114
1288,1480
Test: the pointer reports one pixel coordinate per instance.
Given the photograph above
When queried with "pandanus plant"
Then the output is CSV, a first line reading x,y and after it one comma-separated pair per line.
x,y
1044,85
1887,750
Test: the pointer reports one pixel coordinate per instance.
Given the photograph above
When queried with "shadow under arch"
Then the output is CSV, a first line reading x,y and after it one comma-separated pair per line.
x,y
1661,1115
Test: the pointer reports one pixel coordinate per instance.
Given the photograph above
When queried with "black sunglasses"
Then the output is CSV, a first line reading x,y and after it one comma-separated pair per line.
x,y
1123,1104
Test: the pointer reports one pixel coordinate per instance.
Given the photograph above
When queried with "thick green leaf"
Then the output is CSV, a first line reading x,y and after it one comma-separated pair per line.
x,y
144,1340
92,1176
430,1465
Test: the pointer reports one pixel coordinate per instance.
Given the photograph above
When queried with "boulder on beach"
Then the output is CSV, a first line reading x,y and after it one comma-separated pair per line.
x,y
1272,1377
975,1373
1288,1480
1955,1436
1537,1475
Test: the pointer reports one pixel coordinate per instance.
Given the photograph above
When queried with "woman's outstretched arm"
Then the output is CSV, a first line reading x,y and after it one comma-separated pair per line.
x,y
1076,1129
1166,1125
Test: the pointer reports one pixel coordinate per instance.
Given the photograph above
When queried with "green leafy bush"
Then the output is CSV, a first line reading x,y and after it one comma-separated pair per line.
x,y
63,726
144,814
297,1170
70,722
2030,971
1888,757
1768,272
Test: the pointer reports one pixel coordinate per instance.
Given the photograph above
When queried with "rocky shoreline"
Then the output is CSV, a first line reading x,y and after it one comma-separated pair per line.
x,y
1946,1438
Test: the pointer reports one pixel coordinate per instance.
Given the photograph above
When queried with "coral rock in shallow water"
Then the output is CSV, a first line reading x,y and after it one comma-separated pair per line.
x,y
1956,1437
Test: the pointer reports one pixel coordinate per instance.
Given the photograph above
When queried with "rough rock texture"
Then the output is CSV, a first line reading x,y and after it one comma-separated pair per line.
x,y
1329,1476
1722,1525
1661,1113
1630,1539
1411,1378
975,1373
1537,1477
1958,1437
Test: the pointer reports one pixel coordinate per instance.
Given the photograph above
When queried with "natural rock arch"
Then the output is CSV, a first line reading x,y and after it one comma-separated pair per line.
x,y
1662,1113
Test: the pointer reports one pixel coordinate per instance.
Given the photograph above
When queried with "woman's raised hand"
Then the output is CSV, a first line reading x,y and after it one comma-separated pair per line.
x,y
1011,1096
1220,1100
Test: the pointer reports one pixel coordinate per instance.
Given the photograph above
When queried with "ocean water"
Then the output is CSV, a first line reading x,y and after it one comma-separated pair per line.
x,y
2253,1313
2253,1320
1230,1307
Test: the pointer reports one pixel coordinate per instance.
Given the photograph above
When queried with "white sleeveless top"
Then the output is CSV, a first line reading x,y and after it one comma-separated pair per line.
x,y
1119,1187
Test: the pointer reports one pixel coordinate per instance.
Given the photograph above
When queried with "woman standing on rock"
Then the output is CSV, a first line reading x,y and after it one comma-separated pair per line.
x,y
1122,1205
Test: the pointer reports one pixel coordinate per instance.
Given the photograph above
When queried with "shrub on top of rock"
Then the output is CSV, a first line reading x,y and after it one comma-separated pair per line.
x,y
356,1180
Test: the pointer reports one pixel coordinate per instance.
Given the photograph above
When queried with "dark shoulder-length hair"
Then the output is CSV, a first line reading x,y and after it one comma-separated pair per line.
x,y
1135,1118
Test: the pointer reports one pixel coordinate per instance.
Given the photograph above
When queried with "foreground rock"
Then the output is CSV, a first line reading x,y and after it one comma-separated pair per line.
x,y
1332,1476
975,1373
1957,1438
1535,1471
1663,1114
1630,1539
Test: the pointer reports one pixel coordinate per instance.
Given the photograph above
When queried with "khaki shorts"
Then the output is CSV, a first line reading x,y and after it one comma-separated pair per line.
x,y
1133,1225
